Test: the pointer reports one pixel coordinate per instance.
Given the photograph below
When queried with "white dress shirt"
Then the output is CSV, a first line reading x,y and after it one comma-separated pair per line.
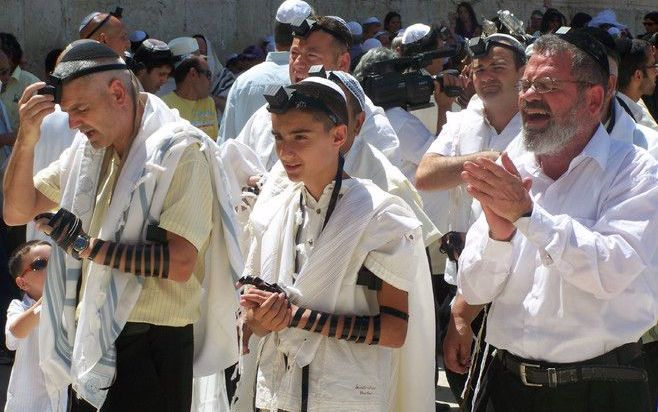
x,y
639,111
27,390
465,133
246,94
578,278
414,139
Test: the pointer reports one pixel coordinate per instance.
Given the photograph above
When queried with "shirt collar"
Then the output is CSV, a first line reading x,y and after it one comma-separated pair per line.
x,y
17,73
634,106
279,57
598,148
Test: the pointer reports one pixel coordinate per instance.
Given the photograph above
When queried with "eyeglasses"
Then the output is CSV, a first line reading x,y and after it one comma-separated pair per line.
x,y
36,265
4,72
651,66
204,72
648,23
544,84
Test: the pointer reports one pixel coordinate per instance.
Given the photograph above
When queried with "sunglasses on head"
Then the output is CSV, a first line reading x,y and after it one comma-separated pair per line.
x,y
36,265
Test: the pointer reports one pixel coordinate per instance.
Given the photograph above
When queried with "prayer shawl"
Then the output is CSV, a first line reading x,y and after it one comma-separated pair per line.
x,y
85,355
319,281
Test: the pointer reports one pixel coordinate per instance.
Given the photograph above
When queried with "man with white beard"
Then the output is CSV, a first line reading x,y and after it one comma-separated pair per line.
x,y
564,248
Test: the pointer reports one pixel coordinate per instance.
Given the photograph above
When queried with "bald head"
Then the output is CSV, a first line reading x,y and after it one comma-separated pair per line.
x,y
110,31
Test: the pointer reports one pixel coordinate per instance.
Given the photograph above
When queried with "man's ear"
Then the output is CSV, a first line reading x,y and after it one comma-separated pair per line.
x,y
359,120
21,283
344,61
595,99
339,135
118,92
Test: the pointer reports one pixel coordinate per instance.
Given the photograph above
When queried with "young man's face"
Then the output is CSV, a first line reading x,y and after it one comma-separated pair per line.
x,y
34,271
153,80
318,48
496,75
306,148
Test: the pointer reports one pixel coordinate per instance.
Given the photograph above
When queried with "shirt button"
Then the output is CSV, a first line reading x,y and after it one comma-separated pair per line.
x,y
318,211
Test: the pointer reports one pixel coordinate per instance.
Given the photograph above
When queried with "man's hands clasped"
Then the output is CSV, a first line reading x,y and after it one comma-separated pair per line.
x,y
501,191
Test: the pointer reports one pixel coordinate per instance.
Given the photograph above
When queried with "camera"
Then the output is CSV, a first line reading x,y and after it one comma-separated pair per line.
x,y
402,82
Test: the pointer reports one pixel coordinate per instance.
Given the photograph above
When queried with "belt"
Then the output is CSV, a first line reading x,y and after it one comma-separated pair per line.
x,y
607,367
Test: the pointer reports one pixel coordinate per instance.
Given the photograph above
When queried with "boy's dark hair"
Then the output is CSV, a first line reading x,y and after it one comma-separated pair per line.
x,y
12,48
16,258
282,35
633,54
390,16
340,33
51,60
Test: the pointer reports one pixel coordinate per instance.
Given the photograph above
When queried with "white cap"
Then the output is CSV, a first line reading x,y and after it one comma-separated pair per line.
x,y
371,43
182,46
415,32
325,82
372,20
355,28
353,86
293,11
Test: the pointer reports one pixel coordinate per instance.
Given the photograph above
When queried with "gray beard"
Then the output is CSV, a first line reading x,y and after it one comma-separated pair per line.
x,y
554,137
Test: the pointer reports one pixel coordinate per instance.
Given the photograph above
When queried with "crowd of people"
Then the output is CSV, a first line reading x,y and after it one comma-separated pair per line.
x,y
319,222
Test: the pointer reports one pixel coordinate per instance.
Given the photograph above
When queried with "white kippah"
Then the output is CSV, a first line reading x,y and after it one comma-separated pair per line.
x,y
415,32
182,46
355,28
87,19
325,82
371,43
293,11
372,20
353,86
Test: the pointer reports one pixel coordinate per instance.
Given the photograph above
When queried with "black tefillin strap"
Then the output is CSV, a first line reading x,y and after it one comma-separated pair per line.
x,y
116,13
311,320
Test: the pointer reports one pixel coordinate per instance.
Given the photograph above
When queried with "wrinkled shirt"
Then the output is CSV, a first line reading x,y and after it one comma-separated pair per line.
x,y
578,278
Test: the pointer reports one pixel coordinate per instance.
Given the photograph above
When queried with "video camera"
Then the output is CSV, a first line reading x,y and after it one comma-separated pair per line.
x,y
401,82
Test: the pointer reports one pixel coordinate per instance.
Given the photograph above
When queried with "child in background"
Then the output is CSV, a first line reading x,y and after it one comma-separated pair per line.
x,y
26,390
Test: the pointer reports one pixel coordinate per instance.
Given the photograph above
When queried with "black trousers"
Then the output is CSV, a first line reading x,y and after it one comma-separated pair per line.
x,y
154,371
651,362
507,393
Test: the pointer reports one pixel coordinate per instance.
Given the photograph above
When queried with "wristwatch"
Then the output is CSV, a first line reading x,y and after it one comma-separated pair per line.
x,y
80,244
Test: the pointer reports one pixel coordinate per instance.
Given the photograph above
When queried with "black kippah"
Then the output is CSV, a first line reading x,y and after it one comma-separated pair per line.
x,y
86,49
587,43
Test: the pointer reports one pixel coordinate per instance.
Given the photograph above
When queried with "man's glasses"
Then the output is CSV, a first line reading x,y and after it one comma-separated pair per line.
x,y
544,84
204,72
4,72
651,66
36,265
648,23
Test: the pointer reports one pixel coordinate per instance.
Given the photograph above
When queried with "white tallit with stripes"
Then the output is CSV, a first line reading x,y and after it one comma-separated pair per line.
x,y
84,354
319,282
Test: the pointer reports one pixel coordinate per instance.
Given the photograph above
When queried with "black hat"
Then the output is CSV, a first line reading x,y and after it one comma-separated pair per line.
x,y
587,43
81,50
